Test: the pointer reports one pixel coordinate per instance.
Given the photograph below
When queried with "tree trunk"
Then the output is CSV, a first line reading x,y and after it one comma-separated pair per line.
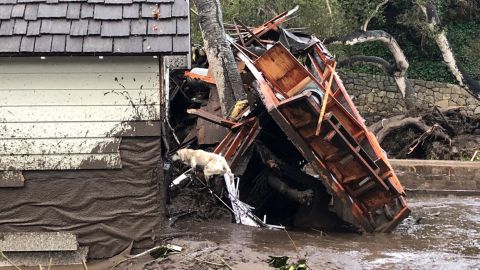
x,y
398,71
440,36
221,60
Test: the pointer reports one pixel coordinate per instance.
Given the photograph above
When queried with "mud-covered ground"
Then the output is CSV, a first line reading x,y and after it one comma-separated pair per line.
x,y
444,233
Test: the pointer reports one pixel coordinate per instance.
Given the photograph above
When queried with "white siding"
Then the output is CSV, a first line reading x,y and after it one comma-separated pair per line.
x,y
69,112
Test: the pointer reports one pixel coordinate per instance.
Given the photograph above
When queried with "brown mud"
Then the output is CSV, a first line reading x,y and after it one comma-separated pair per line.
x,y
443,233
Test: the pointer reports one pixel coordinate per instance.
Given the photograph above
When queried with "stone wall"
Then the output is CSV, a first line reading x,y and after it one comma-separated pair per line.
x,y
377,97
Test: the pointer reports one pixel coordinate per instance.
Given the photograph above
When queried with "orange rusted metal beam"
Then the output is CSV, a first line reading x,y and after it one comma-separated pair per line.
x,y
207,79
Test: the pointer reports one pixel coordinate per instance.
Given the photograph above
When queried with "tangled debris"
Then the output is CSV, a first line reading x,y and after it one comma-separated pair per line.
x,y
448,134
296,112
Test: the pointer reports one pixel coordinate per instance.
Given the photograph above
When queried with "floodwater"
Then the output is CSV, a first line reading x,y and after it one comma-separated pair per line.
x,y
446,236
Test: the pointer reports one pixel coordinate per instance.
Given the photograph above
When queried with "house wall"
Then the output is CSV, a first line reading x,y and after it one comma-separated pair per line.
x,y
68,113
84,134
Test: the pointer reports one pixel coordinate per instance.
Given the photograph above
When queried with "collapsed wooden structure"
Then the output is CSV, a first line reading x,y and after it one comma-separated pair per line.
x,y
292,77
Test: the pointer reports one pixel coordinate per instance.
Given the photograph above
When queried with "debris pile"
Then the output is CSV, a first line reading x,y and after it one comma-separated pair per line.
x,y
300,148
448,134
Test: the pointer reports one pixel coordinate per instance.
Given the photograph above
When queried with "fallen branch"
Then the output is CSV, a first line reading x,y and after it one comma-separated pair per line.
x,y
84,264
409,121
422,138
211,263
370,17
177,249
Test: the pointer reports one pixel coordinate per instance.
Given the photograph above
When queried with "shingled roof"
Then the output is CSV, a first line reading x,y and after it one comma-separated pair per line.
x,y
34,27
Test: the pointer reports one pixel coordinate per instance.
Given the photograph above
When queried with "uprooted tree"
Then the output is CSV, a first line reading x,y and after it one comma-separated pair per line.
x,y
221,60
417,134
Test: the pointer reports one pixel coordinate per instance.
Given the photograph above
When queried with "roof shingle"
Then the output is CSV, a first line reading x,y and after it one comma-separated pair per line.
x,y
91,26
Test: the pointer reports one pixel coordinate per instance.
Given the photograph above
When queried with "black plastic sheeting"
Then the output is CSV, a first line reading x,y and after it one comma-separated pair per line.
x,y
107,209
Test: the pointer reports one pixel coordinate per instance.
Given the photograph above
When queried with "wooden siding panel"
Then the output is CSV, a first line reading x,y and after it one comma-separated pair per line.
x,y
70,113
78,130
79,113
84,64
59,146
79,81
65,97
60,162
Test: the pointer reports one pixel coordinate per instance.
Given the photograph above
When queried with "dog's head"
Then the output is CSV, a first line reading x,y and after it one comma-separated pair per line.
x,y
175,157
179,155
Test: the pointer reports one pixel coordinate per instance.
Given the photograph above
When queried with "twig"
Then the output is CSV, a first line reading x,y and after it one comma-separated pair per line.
x,y
198,253
84,264
40,267
49,263
365,25
474,155
225,263
211,263
293,243
8,260
194,11
321,232
329,7
136,256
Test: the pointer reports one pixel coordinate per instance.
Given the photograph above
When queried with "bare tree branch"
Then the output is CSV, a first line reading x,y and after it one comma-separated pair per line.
x,y
399,72
373,14
329,7
369,60
375,35
435,26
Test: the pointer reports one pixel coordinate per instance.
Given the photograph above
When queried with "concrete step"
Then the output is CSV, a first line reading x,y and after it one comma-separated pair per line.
x,y
38,241
37,248
37,258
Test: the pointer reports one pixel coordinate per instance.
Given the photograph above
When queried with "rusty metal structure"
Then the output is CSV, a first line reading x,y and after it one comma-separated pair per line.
x,y
294,77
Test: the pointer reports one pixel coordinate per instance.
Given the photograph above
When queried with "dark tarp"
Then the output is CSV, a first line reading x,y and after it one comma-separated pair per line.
x,y
107,209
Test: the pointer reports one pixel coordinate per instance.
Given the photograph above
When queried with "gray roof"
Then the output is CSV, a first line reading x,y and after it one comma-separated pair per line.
x,y
43,27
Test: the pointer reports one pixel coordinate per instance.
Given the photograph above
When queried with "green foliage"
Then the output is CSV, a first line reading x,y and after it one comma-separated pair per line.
x,y
465,39
401,18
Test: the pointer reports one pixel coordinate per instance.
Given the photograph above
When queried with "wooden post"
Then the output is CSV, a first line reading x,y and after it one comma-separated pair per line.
x,y
325,97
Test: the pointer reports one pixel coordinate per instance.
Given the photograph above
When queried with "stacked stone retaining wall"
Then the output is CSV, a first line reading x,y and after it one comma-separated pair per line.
x,y
378,97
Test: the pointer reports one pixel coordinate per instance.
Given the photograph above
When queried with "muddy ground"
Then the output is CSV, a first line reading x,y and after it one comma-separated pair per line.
x,y
443,233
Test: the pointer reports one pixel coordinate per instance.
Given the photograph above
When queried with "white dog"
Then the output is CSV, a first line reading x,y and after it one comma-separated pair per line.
x,y
212,164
